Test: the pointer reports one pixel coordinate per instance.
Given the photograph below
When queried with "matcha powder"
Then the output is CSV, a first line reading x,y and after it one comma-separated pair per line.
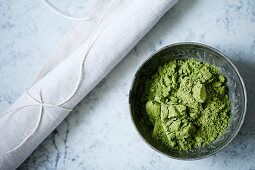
x,y
187,104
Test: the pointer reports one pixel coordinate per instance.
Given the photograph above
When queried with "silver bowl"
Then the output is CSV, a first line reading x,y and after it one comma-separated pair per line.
x,y
201,52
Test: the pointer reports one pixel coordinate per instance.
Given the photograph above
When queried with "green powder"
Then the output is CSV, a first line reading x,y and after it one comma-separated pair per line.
x,y
187,103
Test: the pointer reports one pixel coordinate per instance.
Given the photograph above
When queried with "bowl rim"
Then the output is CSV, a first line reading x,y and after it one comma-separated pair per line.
x,y
222,55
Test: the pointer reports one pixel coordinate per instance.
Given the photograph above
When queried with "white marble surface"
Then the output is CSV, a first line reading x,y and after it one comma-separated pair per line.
x,y
99,133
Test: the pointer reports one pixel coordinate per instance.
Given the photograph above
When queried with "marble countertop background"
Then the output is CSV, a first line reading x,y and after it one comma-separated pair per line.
x,y
99,133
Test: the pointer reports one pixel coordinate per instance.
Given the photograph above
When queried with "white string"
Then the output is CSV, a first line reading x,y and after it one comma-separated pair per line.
x,y
61,13
91,41
40,102
17,109
31,134
45,104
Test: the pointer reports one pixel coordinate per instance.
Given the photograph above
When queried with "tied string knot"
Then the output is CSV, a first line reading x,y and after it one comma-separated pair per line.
x,y
42,104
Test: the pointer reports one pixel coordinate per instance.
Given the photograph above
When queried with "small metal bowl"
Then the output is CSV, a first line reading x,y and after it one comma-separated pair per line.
x,y
201,52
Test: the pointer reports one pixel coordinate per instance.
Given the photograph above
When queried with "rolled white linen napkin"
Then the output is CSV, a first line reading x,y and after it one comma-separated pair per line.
x,y
127,22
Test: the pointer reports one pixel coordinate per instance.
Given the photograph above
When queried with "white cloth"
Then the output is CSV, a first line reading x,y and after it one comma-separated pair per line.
x,y
127,22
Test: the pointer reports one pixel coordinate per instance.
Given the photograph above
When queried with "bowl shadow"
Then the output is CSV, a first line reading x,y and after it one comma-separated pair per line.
x,y
242,147
247,70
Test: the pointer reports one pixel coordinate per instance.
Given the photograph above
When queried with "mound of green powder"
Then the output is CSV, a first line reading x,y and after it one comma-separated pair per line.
x,y
187,104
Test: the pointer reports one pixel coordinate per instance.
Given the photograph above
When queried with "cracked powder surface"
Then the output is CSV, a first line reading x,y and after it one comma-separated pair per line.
x,y
187,103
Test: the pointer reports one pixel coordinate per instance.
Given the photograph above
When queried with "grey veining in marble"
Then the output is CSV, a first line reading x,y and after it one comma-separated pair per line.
x,y
99,134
